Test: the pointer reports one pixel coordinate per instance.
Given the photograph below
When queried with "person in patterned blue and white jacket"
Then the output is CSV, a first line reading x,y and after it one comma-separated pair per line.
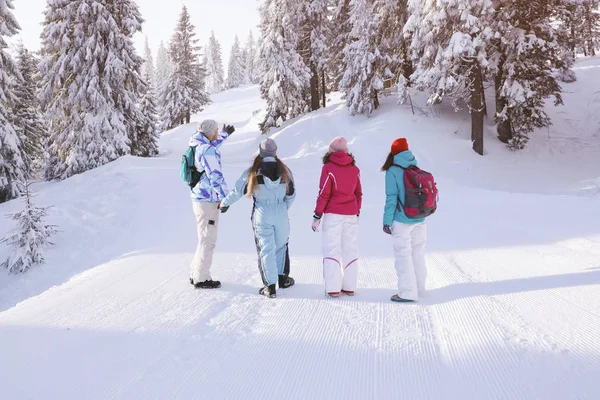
x,y
206,197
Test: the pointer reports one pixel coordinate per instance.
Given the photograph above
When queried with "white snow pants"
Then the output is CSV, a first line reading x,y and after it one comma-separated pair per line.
x,y
207,221
340,252
409,249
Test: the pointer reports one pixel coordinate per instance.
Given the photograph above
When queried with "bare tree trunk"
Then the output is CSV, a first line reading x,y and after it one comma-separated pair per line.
x,y
476,85
323,90
504,129
314,90
590,31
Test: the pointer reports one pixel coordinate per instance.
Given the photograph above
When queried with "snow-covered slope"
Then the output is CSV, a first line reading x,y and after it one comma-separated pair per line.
x,y
512,312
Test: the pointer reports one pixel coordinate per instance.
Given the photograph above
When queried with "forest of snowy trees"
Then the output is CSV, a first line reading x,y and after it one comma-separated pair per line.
x,y
449,49
87,97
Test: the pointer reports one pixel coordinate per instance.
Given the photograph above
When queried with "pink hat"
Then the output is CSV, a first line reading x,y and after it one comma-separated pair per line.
x,y
338,144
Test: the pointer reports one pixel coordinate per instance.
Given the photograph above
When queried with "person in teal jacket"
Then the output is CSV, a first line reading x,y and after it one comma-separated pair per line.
x,y
409,235
271,184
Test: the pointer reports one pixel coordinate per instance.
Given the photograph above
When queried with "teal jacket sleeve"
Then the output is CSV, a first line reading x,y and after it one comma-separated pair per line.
x,y
392,193
238,191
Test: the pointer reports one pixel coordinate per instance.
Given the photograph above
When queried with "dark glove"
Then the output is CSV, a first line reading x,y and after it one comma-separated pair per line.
x,y
223,208
387,229
229,129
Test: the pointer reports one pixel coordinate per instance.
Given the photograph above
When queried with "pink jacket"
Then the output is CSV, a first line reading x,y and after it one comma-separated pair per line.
x,y
340,191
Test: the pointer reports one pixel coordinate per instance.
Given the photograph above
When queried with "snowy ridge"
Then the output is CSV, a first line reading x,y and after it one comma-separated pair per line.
x,y
513,304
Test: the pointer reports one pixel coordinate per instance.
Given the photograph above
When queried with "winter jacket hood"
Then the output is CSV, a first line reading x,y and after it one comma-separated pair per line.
x,y
341,158
271,172
405,159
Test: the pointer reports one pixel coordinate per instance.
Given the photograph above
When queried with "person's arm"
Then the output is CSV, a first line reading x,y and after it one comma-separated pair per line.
x,y
326,186
237,192
358,193
391,198
290,194
223,135
212,170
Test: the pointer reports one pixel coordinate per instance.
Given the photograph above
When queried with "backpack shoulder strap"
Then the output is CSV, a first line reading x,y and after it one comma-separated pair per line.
x,y
399,166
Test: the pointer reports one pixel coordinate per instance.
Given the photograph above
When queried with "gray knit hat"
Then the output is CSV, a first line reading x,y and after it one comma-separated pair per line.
x,y
268,148
208,127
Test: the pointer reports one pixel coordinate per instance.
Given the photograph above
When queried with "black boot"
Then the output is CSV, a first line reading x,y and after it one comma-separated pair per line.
x,y
268,291
209,284
285,281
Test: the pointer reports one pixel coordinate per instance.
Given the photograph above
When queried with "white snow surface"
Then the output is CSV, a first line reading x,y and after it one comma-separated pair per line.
x,y
513,303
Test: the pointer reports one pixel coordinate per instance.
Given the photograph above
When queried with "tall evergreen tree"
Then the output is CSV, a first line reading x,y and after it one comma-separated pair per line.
x,y
250,57
12,157
214,66
450,41
148,68
313,46
363,78
148,128
339,36
284,75
235,67
524,62
26,112
183,94
91,80
392,43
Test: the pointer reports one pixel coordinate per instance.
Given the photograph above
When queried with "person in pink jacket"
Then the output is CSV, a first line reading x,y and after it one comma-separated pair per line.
x,y
338,204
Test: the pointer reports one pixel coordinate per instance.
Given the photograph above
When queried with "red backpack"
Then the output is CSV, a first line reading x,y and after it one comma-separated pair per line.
x,y
421,193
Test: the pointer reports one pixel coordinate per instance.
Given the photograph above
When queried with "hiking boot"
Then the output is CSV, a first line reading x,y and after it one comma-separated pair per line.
x,y
208,284
399,299
334,294
348,292
268,291
285,281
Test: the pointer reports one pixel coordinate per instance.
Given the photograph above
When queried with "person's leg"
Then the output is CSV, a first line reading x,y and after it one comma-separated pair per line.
x,y
407,281
207,221
350,253
332,252
419,239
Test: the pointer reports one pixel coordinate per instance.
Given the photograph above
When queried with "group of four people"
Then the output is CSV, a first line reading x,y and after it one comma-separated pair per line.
x,y
270,184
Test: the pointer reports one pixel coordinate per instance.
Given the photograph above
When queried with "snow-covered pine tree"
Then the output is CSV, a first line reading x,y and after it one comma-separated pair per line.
x,y
91,80
26,111
339,36
148,68
363,78
12,159
164,68
523,62
31,239
147,145
284,76
392,43
214,66
450,41
183,94
590,24
313,46
235,68
250,70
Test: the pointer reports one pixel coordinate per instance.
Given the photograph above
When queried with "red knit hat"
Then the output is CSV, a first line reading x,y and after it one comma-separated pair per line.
x,y
399,146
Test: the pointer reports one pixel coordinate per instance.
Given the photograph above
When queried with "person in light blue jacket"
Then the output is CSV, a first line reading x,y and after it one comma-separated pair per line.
x,y
410,235
206,196
271,185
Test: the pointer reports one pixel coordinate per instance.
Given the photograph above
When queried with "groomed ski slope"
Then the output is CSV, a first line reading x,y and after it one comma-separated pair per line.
x,y
513,304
